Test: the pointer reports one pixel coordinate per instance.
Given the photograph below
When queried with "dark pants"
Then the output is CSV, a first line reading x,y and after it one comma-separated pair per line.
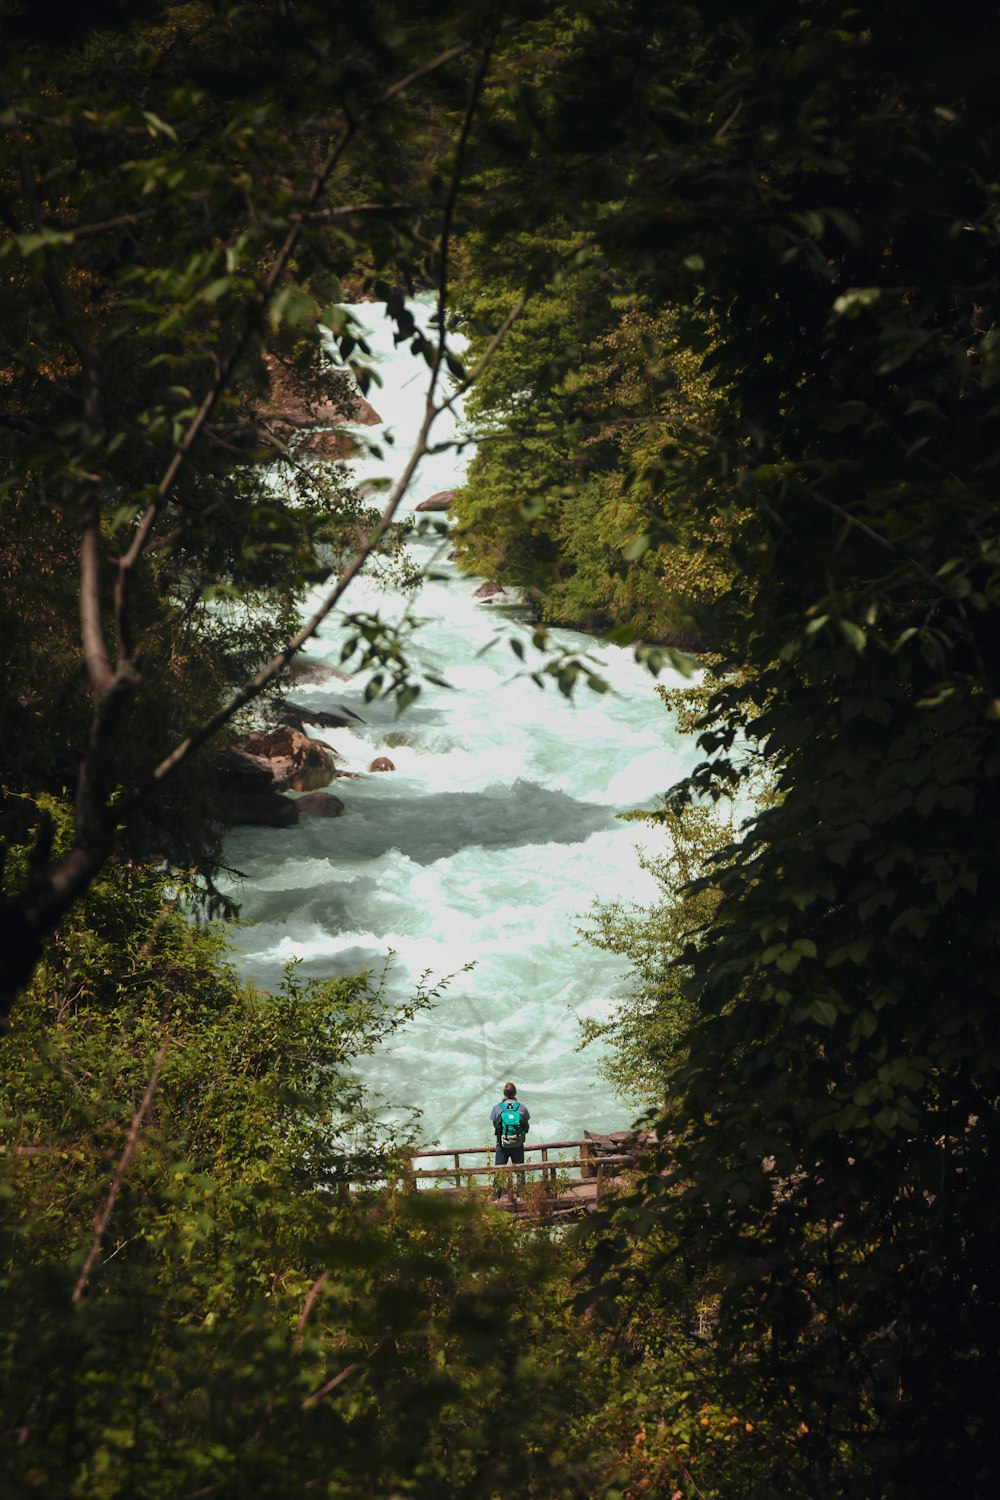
x,y
503,1155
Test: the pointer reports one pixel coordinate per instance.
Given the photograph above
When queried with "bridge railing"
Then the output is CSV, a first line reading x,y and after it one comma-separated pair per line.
x,y
549,1167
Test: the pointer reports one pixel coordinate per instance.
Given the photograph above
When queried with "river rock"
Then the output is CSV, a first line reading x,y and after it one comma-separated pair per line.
x,y
252,793
320,805
296,762
381,763
328,443
294,400
490,590
312,408
267,810
443,500
304,669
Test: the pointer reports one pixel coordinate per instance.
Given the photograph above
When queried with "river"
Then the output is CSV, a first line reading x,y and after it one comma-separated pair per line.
x,y
487,845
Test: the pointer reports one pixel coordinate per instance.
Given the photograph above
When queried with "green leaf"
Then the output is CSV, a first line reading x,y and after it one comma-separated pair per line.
x,y
636,547
858,299
158,126
46,239
853,635
406,695
125,515
216,289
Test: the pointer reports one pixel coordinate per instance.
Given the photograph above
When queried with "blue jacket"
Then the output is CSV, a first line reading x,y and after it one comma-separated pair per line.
x,y
522,1110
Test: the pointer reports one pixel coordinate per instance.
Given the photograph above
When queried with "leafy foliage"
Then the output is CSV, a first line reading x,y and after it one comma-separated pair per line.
x,y
567,497
648,1026
831,1133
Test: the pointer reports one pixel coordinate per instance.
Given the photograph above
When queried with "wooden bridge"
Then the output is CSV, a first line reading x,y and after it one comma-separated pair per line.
x,y
551,1186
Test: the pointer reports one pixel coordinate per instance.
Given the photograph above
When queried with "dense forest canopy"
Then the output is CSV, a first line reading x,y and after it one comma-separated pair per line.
x,y
728,279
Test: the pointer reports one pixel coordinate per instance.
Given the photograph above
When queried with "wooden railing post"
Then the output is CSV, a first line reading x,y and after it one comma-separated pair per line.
x,y
600,1182
409,1176
587,1152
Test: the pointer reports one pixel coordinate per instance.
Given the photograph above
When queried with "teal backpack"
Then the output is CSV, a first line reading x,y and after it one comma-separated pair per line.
x,y
511,1130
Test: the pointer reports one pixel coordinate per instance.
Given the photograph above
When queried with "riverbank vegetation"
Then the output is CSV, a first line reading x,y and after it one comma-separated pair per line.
x,y
729,282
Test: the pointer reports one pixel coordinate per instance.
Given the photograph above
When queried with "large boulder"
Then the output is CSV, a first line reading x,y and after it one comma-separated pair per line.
x,y
296,762
320,805
304,669
443,500
297,408
294,401
490,590
329,443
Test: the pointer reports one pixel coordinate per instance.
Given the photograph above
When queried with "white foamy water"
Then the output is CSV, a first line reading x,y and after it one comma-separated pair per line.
x,y
487,845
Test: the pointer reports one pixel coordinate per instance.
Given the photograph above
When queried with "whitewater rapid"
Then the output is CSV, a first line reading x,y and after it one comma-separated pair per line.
x,y
486,846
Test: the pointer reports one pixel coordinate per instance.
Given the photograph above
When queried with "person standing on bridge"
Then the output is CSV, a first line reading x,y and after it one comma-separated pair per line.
x,y
510,1122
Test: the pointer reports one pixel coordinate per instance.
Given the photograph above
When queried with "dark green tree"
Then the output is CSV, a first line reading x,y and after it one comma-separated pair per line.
x,y
825,182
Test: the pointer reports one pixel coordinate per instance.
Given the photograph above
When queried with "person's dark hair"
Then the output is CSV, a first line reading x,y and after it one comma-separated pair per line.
x,y
509,1090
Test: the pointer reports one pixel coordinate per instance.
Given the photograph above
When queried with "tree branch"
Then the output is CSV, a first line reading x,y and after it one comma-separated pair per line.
x,y
276,665
432,411
307,1306
95,651
475,89
141,539
103,1216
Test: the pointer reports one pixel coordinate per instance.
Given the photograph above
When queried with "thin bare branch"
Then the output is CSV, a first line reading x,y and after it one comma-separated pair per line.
x,y
95,651
331,1385
83,231
488,353
307,1307
447,218
103,1216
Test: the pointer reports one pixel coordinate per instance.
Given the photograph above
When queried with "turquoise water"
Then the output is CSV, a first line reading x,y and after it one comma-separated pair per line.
x,y
487,845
